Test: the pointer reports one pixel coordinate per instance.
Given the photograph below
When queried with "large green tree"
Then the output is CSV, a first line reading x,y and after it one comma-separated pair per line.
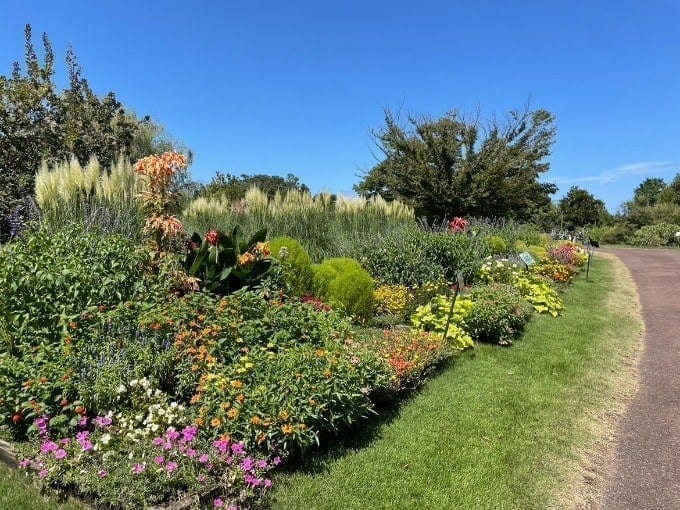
x,y
580,208
39,123
457,166
650,191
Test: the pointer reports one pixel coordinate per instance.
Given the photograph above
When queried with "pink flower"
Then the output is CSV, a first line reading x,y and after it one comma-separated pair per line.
x,y
158,441
83,422
276,461
43,473
222,445
458,224
138,468
191,453
237,448
159,460
171,466
102,473
172,434
247,464
167,445
267,483
60,454
24,463
189,433
218,503
49,446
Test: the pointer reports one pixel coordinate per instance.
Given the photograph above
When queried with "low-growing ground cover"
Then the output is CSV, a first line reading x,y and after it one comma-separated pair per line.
x,y
500,428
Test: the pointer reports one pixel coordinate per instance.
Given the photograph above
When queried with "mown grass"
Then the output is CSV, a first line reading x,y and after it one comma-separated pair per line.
x,y
16,493
500,429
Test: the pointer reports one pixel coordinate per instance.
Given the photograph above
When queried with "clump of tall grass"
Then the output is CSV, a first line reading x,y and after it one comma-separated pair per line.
x,y
327,225
95,197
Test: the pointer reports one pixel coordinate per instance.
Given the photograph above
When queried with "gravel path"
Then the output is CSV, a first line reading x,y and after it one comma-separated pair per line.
x,y
647,460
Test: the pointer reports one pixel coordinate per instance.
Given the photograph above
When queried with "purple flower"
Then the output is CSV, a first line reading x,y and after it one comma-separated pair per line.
x,y
204,458
82,435
43,473
138,468
60,454
167,445
262,464
158,441
65,441
102,421
191,453
86,445
237,448
222,445
267,483
276,461
172,434
159,460
49,446
83,422
102,473
218,503
189,433
24,463
171,466
247,464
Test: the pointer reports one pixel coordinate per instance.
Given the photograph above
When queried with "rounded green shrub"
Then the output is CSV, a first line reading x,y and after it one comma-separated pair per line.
x,y
497,245
295,263
498,314
661,234
345,285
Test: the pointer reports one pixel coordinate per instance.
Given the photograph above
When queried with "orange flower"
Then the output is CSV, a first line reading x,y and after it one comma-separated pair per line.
x,y
256,420
262,249
199,421
246,259
215,422
327,373
233,414
236,384
73,325
16,418
240,398
287,429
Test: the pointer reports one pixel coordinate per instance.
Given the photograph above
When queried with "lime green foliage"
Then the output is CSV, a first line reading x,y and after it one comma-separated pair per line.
x,y
661,234
498,314
295,263
434,316
539,294
497,245
345,285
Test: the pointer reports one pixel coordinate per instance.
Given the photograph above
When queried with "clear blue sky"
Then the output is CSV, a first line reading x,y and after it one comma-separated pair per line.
x,y
277,87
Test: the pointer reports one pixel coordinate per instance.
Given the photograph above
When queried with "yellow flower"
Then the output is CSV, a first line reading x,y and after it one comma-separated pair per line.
x,y
287,429
256,420
236,384
233,414
284,415
215,422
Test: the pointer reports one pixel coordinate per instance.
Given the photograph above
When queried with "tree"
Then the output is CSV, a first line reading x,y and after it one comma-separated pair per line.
x,y
580,208
455,166
649,191
671,195
40,124
233,187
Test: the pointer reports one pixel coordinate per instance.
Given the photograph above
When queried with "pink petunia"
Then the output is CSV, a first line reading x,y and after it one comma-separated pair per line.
x,y
60,454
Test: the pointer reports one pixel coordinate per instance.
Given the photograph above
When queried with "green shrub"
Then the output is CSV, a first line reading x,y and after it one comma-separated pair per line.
x,y
614,234
434,316
497,245
345,285
398,258
456,252
48,278
295,263
662,234
498,314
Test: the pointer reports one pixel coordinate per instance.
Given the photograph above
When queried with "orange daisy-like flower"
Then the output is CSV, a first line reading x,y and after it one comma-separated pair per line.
x,y
215,422
287,429
262,249
246,259
236,384
233,414
256,420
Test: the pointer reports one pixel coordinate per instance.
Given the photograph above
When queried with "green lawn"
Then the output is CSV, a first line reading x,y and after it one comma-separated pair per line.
x,y
502,428
17,494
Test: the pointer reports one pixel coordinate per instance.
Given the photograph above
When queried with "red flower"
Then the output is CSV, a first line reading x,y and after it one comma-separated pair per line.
x,y
212,237
192,246
458,224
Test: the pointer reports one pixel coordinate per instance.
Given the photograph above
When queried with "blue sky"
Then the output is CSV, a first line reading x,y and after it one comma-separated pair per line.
x,y
278,87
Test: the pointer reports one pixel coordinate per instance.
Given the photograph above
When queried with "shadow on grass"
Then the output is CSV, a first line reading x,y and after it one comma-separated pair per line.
x,y
387,407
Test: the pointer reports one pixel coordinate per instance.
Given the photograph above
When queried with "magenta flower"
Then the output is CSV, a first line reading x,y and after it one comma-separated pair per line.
x,y
159,460
191,453
167,445
237,448
171,466
138,468
204,458
158,441
102,473
24,463
43,473
262,464
83,422
49,446
247,464
189,433
276,461
222,445
172,434
60,454
218,503
267,483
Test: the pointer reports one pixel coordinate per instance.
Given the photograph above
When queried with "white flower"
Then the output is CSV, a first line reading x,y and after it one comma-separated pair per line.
x,y
121,389
134,383
105,439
